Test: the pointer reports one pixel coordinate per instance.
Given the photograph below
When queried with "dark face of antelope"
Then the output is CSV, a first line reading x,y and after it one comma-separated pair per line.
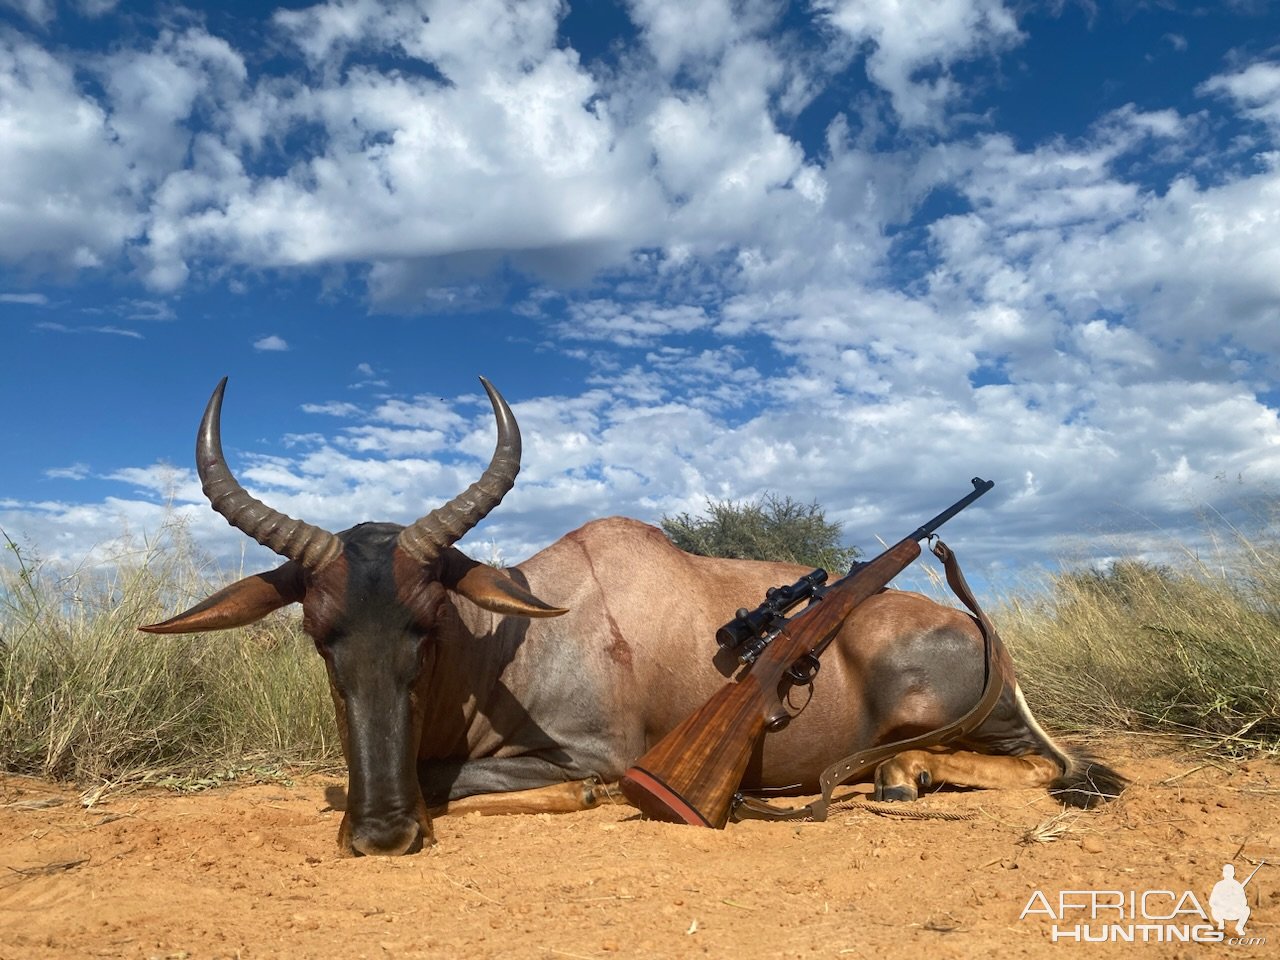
x,y
372,599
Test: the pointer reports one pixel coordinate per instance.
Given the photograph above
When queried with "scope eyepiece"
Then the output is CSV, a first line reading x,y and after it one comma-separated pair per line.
x,y
737,631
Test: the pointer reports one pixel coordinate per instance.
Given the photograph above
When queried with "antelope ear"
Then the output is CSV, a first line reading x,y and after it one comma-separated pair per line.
x,y
490,588
243,602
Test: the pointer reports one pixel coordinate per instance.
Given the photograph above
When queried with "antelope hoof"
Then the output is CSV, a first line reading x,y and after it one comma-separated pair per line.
x,y
893,783
594,792
895,792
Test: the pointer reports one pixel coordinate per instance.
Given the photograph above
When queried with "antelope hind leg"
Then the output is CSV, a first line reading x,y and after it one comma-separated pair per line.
x,y
557,798
902,777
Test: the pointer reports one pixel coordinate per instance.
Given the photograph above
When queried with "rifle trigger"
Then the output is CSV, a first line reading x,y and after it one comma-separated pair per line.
x,y
803,671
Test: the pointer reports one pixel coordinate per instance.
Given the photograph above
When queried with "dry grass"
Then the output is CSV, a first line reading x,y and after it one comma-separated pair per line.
x,y
85,696
1191,649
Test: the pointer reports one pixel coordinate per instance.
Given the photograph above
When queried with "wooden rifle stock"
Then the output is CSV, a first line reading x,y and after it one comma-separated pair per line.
x,y
691,775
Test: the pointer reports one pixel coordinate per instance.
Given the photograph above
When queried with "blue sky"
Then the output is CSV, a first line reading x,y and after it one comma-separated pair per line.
x,y
841,250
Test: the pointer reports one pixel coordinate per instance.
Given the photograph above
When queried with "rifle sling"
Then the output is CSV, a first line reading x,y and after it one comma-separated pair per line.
x,y
753,808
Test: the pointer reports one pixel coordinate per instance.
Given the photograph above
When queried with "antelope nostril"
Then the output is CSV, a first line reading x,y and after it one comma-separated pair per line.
x,y
387,837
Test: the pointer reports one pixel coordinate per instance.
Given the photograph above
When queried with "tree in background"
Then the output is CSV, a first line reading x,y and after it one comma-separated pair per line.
x,y
769,528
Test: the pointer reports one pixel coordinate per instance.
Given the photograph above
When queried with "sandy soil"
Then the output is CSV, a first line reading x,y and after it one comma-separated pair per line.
x,y
252,872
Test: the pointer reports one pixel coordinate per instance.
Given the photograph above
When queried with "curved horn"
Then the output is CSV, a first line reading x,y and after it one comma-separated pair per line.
x,y
425,539
311,546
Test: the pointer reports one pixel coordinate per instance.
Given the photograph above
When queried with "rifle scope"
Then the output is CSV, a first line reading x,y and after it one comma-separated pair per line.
x,y
750,626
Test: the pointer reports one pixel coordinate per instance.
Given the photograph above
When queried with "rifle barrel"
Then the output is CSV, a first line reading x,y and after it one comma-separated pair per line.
x,y
980,487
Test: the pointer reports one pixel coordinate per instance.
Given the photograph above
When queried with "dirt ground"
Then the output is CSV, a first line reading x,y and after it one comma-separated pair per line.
x,y
252,872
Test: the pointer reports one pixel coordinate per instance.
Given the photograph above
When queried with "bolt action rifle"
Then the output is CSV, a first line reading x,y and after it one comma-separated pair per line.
x,y
692,775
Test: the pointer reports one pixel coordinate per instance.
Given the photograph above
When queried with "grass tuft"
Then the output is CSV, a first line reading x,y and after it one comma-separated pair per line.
x,y
85,696
1191,649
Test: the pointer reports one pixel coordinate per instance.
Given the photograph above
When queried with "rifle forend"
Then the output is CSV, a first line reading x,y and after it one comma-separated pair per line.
x,y
691,775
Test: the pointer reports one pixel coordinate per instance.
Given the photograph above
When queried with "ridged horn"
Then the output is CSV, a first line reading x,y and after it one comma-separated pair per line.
x,y
427,538
312,547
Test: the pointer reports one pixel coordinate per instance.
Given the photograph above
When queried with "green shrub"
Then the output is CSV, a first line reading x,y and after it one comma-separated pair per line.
x,y
770,528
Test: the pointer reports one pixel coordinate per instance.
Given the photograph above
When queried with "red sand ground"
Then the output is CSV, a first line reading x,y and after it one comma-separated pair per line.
x,y
252,872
